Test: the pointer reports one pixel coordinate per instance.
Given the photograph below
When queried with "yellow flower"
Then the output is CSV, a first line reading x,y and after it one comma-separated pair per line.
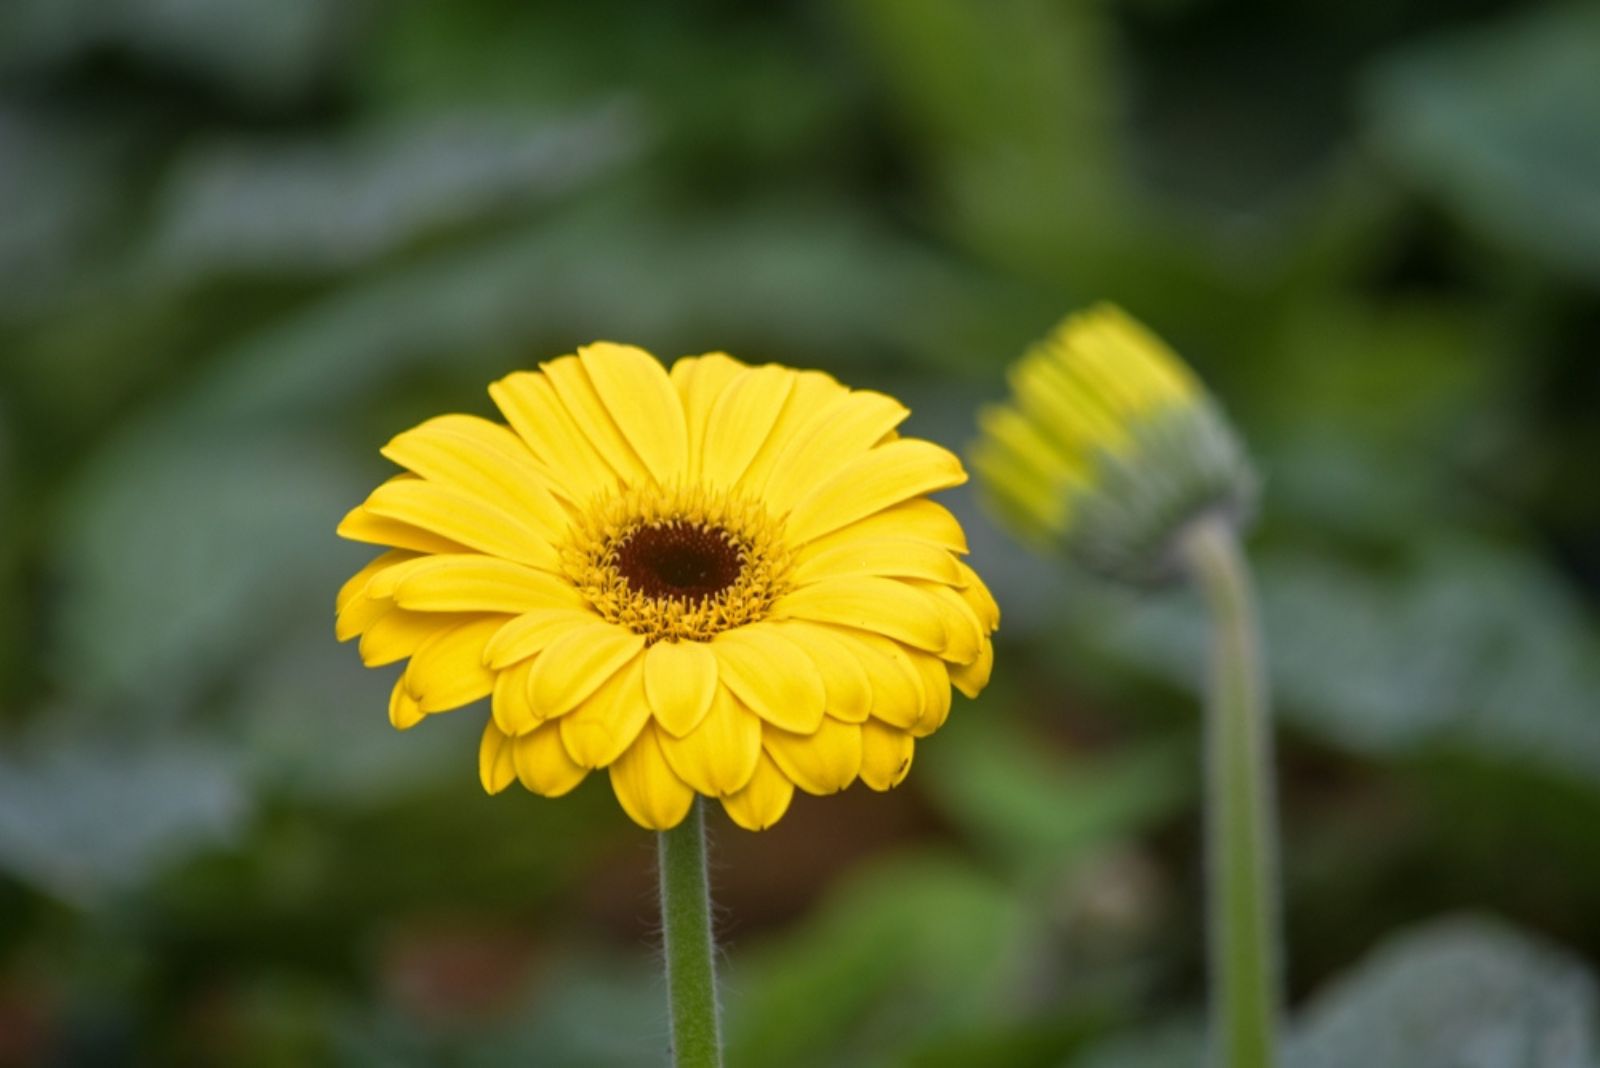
x,y
1109,447
723,581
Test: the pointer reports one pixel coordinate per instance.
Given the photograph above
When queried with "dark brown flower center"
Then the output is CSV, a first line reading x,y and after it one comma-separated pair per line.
x,y
682,560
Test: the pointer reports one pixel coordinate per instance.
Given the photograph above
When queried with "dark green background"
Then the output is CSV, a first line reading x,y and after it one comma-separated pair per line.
x,y
243,242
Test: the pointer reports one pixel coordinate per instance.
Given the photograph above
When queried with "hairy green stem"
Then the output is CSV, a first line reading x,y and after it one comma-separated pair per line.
x,y
690,949
1241,832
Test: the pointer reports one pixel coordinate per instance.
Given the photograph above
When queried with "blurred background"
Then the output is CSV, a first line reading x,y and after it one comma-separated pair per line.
x,y
244,242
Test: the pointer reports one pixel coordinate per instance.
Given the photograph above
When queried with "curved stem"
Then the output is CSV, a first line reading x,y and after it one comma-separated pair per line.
x,y
690,950
1241,857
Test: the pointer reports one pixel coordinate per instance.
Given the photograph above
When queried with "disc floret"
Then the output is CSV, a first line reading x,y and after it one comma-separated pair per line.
x,y
679,564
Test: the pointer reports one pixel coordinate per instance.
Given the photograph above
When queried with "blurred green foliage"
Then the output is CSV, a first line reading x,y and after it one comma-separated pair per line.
x,y
245,242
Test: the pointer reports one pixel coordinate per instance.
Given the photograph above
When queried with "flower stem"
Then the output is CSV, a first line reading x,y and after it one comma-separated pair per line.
x,y
691,963
1241,832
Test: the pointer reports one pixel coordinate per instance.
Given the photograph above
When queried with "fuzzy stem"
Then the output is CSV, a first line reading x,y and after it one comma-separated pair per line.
x,y
690,950
1241,832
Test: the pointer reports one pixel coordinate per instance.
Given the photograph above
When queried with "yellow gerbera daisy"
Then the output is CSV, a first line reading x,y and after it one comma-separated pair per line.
x,y
724,580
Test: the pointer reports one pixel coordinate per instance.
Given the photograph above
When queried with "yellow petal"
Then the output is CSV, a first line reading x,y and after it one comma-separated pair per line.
x,y
836,433
479,462
495,768
530,632
358,616
637,392
935,693
971,678
823,762
881,605
397,634
892,557
647,788
921,519
963,633
593,420
387,581
874,480
772,675
543,764
362,525
699,380
356,608
680,678
447,671
404,712
763,801
848,686
979,599
810,393
598,730
475,583
513,711
492,438
530,404
574,665
357,583
897,697
740,421
885,755
718,756
464,519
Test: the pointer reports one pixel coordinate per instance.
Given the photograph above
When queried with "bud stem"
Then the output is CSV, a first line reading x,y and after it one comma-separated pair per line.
x,y
1241,832
690,949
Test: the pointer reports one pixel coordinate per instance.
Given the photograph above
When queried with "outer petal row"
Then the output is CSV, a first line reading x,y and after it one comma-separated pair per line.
x,y
655,795
537,759
699,381
613,413
462,518
530,404
887,475
909,694
646,785
752,766
834,433
642,403
486,460
740,422
764,800
719,756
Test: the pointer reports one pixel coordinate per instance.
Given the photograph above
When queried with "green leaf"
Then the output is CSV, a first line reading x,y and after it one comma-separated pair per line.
x,y
65,171
84,817
922,944
582,1011
1474,649
1012,104
1045,809
612,267
309,722
335,202
1498,124
270,52
184,548
1176,1043
1457,993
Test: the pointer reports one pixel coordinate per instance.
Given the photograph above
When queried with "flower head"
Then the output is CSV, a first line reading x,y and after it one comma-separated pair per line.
x,y
1109,447
725,580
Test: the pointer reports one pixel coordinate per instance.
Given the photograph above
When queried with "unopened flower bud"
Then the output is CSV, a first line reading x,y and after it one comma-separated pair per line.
x,y
1108,448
